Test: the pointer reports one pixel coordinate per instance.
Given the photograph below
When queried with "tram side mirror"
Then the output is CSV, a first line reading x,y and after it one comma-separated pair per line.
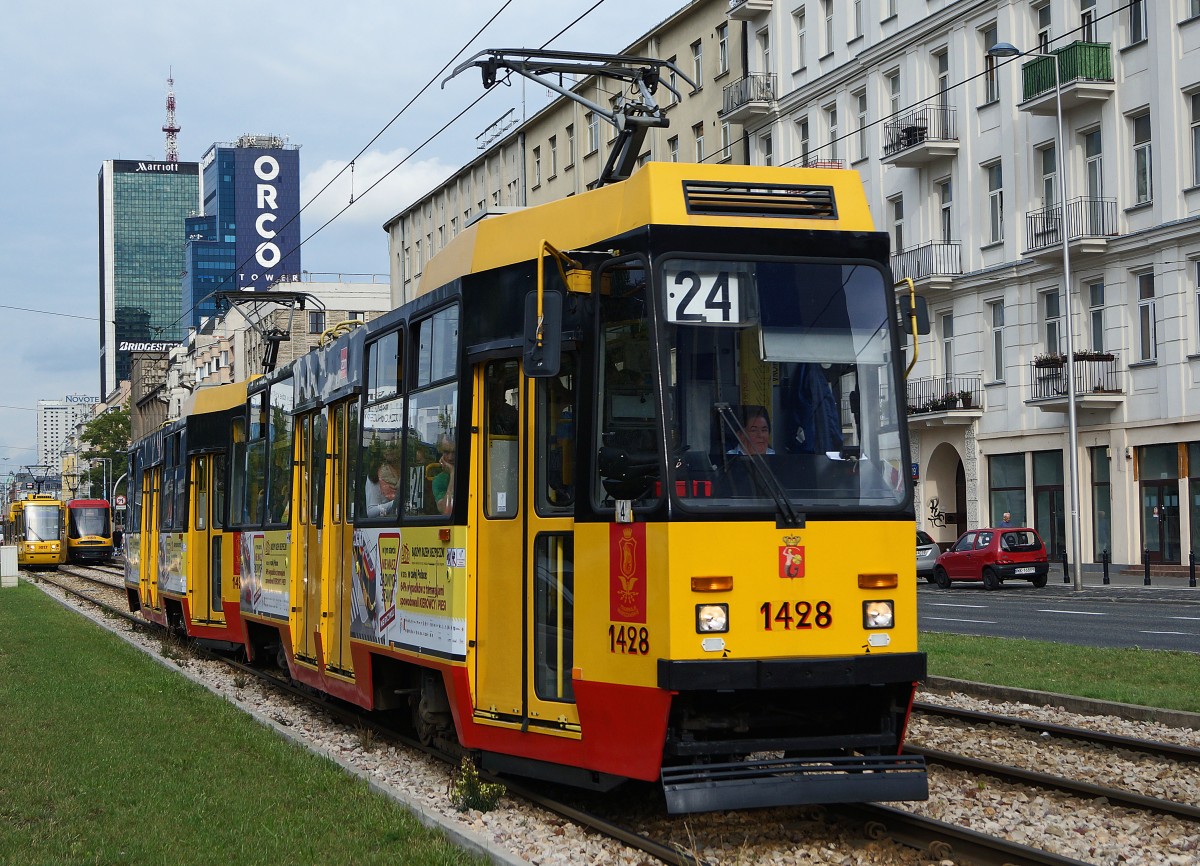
x,y
906,310
543,347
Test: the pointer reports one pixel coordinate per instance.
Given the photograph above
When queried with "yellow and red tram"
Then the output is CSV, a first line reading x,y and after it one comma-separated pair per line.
x,y
89,531
621,495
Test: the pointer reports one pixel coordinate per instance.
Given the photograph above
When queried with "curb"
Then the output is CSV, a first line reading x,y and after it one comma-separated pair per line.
x,y
1070,703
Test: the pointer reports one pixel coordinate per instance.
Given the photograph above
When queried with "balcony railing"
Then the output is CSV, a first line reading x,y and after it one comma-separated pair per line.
x,y
944,393
927,123
755,87
936,259
1095,373
1079,61
1086,218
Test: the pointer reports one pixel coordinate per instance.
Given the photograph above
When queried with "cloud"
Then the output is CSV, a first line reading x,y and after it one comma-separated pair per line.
x,y
383,184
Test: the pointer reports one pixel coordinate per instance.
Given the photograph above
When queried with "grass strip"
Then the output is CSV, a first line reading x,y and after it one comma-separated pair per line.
x,y
107,757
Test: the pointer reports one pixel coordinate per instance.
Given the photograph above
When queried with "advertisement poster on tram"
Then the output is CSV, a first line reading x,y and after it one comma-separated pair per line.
x,y
409,591
265,568
172,576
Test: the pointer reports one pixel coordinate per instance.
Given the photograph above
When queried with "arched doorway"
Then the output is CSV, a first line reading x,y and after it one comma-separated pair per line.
x,y
945,493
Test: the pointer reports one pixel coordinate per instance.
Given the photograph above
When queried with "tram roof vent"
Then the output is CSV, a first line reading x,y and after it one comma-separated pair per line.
x,y
714,198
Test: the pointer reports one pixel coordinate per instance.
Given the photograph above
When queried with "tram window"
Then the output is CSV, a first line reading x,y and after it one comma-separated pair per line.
x,y
219,466
351,460
432,451
202,493
279,496
503,452
385,367
237,471
316,495
554,617
437,347
556,439
382,441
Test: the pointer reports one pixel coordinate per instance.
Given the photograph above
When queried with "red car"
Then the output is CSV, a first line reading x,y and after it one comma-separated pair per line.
x,y
994,555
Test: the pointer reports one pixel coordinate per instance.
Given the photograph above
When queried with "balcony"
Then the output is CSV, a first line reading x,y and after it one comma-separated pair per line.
x,y
746,10
1087,78
931,266
944,401
748,98
920,137
1097,382
1090,223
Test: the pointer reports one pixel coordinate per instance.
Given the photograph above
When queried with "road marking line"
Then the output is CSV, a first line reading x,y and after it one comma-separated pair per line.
x,y
948,604
1182,633
1197,618
1075,612
951,619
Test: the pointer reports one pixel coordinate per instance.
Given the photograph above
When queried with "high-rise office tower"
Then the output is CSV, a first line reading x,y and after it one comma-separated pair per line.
x,y
247,237
143,205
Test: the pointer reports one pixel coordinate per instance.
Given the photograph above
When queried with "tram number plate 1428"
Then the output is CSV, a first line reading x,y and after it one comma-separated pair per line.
x,y
788,615
629,640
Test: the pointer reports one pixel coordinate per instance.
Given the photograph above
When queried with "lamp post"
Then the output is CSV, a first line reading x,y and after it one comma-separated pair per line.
x,y
1004,50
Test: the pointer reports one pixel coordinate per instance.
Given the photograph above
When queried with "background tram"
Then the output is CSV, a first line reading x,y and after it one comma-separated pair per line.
x,y
38,529
89,531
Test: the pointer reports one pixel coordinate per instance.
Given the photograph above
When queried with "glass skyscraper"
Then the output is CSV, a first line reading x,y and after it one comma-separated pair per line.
x,y
143,206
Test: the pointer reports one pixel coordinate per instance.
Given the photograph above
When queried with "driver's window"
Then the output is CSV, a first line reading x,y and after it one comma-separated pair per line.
x,y
966,542
628,411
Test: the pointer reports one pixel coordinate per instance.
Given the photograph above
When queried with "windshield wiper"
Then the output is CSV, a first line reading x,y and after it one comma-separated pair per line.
x,y
770,481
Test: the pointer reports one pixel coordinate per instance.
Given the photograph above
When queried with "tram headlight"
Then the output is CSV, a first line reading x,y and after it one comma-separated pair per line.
x,y
712,618
879,614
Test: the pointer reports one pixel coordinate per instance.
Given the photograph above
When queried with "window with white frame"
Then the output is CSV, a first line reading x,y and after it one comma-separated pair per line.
x,y
946,205
673,78
800,37
897,208
1093,164
726,141
893,88
1095,295
698,64
1051,321
1087,20
947,322
765,149
991,81
762,40
673,149
1043,28
1196,266
1194,9
316,321
593,131
722,49
858,18
996,310
891,10
941,61
1137,22
537,166
831,126
1194,99
805,144
1143,185
1147,317
827,6
570,144
995,182
553,145
860,104
698,136
1049,176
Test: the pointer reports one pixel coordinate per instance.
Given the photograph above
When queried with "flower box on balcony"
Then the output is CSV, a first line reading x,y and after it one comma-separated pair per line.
x,y
1048,361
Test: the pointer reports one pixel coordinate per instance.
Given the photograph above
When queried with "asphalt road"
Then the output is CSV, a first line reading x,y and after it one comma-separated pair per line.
x,y
1167,618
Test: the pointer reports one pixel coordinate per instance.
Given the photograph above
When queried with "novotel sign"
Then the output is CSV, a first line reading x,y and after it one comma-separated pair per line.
x,y
267,205
80,399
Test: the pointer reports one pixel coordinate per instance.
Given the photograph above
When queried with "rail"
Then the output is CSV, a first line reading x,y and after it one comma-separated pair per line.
x,y
935,259
1086,61
926,123
755,87
944,393
1095,373
1086,218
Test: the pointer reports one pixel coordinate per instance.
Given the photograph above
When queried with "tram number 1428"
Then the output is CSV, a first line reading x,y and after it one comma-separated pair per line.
x,y
796,615
629,640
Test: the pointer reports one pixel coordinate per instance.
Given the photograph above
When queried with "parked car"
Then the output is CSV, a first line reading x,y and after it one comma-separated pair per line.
x,y
927,554
994,555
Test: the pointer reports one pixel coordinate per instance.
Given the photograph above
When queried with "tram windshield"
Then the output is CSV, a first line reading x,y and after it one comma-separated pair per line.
x,y
41,522
87,521
780,384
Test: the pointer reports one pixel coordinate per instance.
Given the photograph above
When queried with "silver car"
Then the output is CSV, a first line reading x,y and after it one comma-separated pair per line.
x,y
927,554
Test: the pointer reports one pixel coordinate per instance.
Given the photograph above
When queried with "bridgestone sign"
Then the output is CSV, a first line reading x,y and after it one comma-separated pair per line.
x,y
128,346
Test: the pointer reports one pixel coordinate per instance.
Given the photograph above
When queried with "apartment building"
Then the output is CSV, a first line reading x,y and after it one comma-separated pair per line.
x,y
958,150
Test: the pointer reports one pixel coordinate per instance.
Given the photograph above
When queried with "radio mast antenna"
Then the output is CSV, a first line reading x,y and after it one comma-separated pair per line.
x,y
171,128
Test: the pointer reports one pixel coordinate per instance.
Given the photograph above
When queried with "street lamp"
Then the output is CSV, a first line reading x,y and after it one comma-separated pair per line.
x,y
1005,50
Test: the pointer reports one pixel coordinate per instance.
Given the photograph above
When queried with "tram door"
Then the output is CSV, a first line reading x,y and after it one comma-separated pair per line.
x,y
310,500
205,587
338,552
151,491
525,549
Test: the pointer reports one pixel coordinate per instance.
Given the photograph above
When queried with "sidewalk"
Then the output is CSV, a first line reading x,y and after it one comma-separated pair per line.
x,y
1127,582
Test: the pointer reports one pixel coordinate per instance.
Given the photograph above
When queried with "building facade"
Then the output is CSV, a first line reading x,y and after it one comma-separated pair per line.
x,y
247,234
562,150
142,208
56,422
958,150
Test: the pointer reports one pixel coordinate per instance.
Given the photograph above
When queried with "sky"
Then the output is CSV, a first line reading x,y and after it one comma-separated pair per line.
x,y
82,82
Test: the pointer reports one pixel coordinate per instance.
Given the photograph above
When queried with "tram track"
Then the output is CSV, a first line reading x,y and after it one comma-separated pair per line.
x,y
660,836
